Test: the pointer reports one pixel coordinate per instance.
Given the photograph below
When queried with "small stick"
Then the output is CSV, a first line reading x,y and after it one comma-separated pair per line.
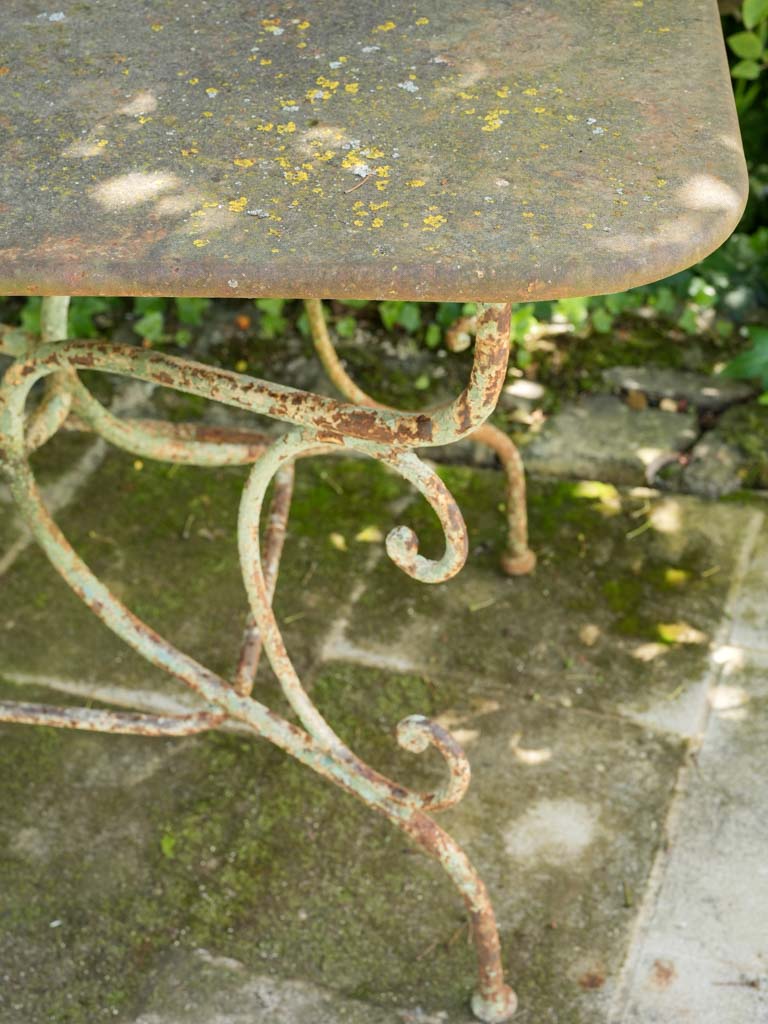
x,y
361,182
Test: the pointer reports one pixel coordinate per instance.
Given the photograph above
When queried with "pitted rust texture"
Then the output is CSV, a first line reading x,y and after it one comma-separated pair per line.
x,y
517,559
316,744
503,150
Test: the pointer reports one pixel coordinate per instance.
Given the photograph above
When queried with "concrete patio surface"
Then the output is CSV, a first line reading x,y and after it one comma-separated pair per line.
x,y
614,707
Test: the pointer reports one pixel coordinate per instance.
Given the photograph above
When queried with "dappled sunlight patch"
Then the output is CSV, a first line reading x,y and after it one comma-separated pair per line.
x,y
134,188
705,192
667,516
606,497
649,651
731,659
727,697
553,831
531,756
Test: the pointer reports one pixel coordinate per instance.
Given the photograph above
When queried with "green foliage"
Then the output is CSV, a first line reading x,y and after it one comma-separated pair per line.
x,y
753,363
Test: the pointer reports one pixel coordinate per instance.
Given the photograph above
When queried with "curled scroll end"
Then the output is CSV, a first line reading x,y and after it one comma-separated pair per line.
x,y
416,733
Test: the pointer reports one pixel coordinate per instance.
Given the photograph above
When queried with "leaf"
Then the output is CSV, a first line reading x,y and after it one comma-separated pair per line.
x,y
746,44
752,364
272,307
749,69
410,317
433,336
346,326
191,311
151,326
82,310
754,11
389,311
602,320
167,844
30,315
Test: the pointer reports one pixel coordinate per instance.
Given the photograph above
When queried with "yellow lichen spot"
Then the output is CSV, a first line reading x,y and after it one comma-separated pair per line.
x,y
325,156
467,95
207,113
286,129
273,231
299,46
383,171
530,92
470,110
379,206
318,190
238,205
503,92
661,182
189,152
210,204
303,26
211,92
244,161
637,3
433,222
588,225
351,87
571,117
493,120
415,183
528,214
539,110
200,242
387,26
193,81
558,91
275,216
264,61
270,22
358,204
296,176
477,213
284,162
157,27
422,21
145,119
102,143
382,184
664,29
377,222
308,166
267,126
359,223
543,145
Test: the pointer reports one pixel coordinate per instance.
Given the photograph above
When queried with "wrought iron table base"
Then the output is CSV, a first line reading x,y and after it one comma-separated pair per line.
x,y
318,426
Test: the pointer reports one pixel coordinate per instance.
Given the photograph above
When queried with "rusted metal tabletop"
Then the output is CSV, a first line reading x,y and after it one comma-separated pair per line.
x,y
493,150
211,149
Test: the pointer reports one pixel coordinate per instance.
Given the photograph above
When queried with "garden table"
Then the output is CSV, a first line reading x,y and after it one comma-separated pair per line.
x,y
492,151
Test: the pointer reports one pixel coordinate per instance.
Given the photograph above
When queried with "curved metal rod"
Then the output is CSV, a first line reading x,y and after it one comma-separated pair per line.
x,y
128,723
494,1002
333,421
517,559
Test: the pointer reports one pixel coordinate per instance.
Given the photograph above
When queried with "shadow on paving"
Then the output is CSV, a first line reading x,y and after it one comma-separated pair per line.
x,y
212,879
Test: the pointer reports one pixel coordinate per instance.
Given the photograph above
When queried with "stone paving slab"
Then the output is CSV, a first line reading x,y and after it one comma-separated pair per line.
x,y
602,438
123,856
703,953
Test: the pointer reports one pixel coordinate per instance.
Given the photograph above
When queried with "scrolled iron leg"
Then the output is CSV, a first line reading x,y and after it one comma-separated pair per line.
x,y
320,426
517,559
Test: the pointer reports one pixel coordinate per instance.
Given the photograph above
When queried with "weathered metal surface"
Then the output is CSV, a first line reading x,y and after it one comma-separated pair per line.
x,y
274,539
496,150
93,720
517,559
317,430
